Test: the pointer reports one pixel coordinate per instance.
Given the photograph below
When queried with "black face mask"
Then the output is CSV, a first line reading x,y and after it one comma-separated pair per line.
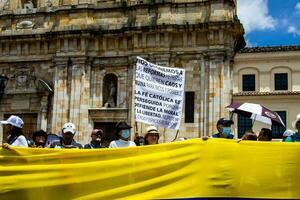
x,y
40,144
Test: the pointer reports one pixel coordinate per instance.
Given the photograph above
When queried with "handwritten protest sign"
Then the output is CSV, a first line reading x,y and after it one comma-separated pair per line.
x,y
158,94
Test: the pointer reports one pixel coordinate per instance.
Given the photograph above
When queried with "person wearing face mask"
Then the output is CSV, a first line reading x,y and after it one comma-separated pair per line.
x,y
96,136
123,135
224,129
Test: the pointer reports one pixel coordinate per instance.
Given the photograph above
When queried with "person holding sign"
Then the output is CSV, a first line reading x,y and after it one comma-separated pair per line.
x,y
123,135
152,136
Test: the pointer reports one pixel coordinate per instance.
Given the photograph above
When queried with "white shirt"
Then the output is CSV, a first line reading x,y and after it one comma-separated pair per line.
x,y
121,143
20,142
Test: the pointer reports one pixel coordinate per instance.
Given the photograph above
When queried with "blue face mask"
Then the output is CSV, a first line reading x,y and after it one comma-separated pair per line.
x,y
125,133
226,131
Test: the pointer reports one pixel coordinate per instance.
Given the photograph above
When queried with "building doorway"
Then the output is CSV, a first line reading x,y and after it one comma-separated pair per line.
x,y
30,125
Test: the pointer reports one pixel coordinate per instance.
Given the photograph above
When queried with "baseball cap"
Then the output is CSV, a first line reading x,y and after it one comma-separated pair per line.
x,y
14,121
69,127
97,132
224,122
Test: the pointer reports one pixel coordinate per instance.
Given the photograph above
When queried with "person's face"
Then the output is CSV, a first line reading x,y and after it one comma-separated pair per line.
x,y
220,128
152,138
10,127
124,134
40,140
298,126
68,138
96,138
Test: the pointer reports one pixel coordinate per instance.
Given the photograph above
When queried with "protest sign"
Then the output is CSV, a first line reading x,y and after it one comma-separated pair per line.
x,y
158,94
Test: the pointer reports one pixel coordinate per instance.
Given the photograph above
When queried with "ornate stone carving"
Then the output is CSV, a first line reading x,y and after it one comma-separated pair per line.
x,y
4,5
48,3
26,24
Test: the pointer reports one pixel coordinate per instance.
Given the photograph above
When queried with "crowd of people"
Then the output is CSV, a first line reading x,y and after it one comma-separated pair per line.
x,y
123,135
265,134
39,138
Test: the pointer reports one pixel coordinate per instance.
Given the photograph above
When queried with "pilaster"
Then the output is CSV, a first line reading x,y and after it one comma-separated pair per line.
x,y
79,97
60,113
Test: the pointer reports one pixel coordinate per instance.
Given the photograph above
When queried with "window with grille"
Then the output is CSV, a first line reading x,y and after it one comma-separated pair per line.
x,y
249,82
244,124
278,130
189,107
281,81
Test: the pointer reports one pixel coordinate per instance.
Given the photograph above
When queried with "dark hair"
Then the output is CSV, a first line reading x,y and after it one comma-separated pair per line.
x,y
267,132
138,139
15,132
249,136
39,133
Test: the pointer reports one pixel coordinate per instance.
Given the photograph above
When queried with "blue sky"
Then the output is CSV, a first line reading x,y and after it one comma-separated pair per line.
x,y
270,22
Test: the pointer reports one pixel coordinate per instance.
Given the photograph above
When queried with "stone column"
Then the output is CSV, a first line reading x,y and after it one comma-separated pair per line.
x,y
79,98
220,89
203,96
43,112
60,111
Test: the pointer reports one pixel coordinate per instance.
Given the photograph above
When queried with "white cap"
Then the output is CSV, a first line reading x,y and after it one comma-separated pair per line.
x,y
69,127
295,121
14,121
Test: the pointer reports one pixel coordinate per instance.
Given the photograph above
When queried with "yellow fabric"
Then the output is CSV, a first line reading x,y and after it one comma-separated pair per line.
x,y
187,169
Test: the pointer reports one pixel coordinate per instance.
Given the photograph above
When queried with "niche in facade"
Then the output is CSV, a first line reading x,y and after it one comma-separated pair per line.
x,y
110,89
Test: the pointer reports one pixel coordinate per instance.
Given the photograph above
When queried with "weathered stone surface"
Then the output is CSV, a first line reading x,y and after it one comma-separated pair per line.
x,y
75,44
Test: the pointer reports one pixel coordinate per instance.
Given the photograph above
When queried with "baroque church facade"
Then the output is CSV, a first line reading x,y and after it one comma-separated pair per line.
x,y
67,60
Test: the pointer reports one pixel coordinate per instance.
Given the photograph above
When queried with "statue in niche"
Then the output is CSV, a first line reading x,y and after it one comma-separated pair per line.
x,y
4,5
112,91
29,5
48,3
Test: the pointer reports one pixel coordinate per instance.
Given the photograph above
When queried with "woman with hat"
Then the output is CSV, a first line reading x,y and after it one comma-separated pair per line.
x,y
152,136
15,137
123,136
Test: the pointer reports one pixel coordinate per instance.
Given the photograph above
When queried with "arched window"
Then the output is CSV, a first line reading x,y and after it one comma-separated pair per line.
x,y
110,90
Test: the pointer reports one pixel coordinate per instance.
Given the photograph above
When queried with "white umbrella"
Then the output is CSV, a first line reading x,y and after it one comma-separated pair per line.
x,y
256,112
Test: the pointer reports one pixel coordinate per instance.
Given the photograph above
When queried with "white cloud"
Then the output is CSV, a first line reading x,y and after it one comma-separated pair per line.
x,y
294,30
254,15
297,7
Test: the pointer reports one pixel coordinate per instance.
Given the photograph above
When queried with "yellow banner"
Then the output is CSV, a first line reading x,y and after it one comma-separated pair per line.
x,y
187,169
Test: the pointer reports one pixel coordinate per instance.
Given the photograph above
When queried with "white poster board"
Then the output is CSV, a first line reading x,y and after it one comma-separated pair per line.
x,y
158,94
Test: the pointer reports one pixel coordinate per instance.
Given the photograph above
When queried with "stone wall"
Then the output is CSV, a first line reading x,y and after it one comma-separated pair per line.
x,y
74,45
